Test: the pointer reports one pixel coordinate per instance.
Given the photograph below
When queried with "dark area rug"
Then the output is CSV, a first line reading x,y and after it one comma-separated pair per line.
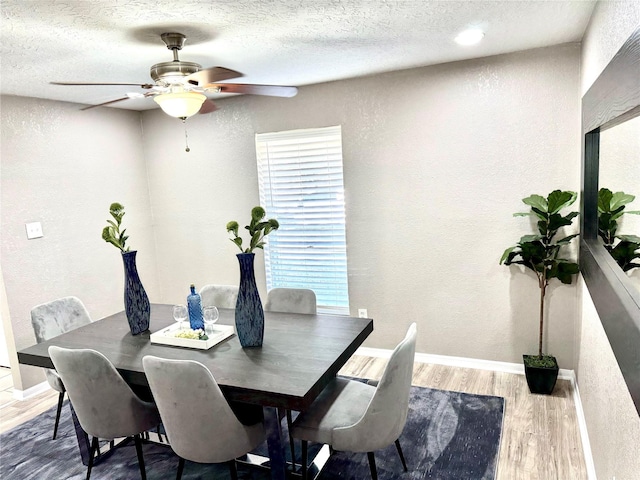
x,y
448,436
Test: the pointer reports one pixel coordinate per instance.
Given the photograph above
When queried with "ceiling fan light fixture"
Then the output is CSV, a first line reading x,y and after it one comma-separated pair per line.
x,y
180,104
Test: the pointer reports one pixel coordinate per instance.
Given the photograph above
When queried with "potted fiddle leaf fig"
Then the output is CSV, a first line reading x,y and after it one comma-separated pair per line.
x,y
541,253
611,207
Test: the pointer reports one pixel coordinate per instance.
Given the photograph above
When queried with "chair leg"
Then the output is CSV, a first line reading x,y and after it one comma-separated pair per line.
x,y
291,444
305,444
92,453
233,469
372,466
138,442
180,468
404,464
55,426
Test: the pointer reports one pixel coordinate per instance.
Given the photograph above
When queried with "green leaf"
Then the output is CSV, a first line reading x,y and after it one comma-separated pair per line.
x,y
566,240
537,201
257,213
232,226
624,253
620,199
564,271
523,214
530,238
557,200
629,238
556,221
633,212
540,214
506,253
604,200
237,241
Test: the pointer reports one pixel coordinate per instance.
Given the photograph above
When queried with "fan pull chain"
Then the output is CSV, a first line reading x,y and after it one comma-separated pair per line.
x,y
186,137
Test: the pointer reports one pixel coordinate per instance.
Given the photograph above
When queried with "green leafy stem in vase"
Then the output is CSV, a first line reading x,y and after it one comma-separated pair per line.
x,y
111,233
258,229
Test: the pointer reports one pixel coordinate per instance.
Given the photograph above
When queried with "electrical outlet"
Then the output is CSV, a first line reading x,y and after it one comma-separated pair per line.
x,y
34,230
362,313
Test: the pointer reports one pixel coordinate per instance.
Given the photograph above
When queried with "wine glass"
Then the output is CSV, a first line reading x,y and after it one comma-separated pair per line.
x,y
211,316
180,314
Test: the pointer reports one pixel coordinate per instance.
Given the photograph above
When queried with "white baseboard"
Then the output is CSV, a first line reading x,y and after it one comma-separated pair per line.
x,y
30,392
582,425
516,368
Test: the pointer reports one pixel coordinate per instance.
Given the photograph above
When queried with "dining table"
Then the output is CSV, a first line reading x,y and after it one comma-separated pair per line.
x,y
300,355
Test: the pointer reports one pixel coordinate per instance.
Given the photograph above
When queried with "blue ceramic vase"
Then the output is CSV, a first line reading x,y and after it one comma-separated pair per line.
x,y
136,302
249,313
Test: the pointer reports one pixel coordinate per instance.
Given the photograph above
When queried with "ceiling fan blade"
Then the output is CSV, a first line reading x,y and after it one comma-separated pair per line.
x,y
142,85
105,103
208,106
271,90
131,95
212,75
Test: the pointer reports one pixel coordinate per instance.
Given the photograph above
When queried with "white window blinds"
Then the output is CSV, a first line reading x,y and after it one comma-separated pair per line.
x,y
301,186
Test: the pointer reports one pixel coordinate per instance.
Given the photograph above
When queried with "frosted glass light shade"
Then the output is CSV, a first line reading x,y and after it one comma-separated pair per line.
x,y
180,104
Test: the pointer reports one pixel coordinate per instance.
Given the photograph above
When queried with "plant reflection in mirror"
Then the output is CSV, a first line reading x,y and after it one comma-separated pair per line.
x,y
611,207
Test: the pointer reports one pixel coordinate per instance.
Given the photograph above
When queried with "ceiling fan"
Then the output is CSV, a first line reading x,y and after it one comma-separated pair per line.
x,y
179,87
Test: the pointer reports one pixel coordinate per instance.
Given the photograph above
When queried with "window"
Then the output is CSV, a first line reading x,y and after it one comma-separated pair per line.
x,y
301,186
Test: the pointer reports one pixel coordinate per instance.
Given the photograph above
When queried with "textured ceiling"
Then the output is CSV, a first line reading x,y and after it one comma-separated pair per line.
x,y
284,42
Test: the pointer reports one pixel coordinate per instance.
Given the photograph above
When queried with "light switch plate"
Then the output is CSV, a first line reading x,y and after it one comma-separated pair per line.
x,y
34,230
362,312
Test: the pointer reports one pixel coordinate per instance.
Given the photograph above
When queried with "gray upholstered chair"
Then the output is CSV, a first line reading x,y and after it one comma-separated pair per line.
x,y
353,416
291,300
105,405
199,422
221,296
50,320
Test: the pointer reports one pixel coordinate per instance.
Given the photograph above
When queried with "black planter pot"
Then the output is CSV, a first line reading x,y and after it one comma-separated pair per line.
x,y
541,380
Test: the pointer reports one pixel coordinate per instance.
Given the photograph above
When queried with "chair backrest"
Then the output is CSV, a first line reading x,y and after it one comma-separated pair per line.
x,y
57,317
291,300
221,296
385,417
199,422
105,405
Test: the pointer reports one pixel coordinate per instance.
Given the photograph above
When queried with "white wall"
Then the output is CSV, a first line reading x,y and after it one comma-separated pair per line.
x,y
436,160
63,167
612,420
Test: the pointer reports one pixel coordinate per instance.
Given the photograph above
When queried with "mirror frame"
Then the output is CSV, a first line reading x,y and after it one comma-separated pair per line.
x,y
612,99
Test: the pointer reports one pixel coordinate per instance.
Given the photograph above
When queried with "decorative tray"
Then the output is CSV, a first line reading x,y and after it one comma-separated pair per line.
x,y
166,336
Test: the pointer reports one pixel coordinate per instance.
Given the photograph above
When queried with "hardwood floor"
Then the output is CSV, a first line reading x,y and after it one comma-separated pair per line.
x,y
540,439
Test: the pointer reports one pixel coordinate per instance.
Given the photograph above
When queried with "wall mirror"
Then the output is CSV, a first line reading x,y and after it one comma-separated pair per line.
x,y
610,111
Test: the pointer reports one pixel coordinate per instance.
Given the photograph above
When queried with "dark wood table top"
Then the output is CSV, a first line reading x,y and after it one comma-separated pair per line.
x,y
299,357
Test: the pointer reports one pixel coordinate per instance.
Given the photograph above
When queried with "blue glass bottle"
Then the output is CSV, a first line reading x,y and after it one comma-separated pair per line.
x,y
194,304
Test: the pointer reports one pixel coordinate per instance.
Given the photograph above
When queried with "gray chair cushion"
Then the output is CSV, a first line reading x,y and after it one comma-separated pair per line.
x,y
291,300
197,418
341,404
355,417
221,296
55,318
105,405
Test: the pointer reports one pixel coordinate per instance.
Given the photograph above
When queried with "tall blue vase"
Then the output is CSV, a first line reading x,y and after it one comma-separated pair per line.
x,y
249,313
136,302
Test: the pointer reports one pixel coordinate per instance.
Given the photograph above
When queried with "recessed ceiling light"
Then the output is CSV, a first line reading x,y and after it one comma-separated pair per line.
x,y
469,37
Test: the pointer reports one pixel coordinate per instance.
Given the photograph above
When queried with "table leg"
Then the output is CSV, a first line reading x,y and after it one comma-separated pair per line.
x,y
275,443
